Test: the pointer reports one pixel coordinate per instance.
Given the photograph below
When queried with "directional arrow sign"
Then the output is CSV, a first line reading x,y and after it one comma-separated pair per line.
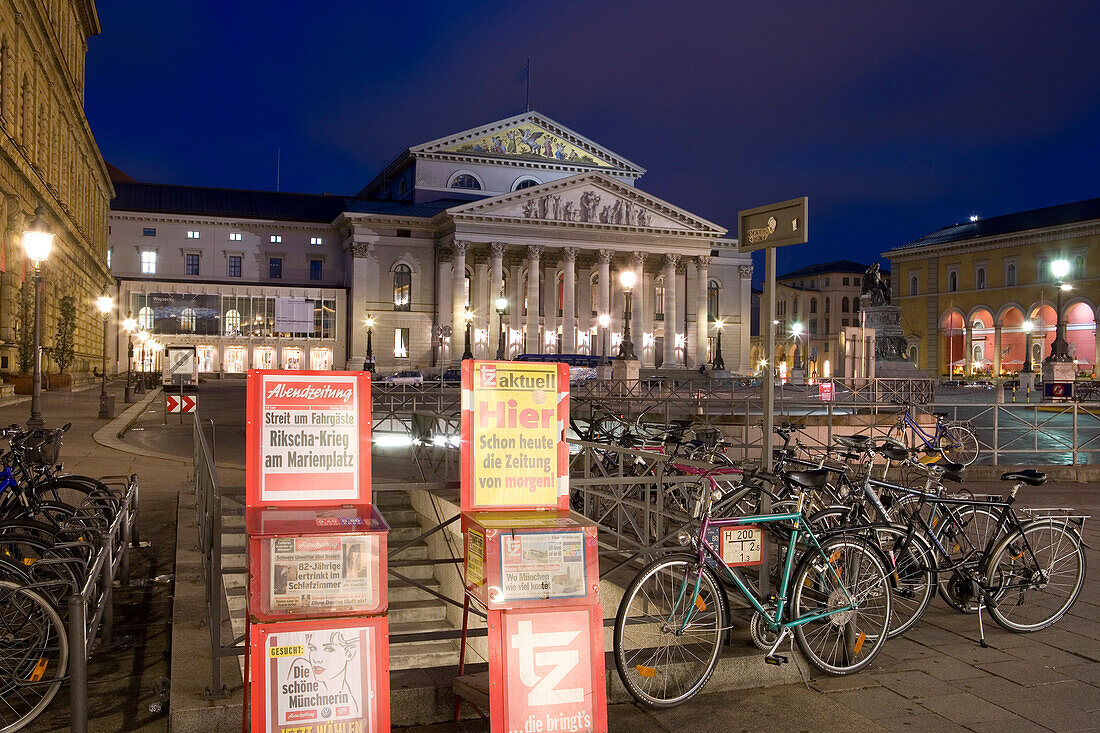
x,y
184,403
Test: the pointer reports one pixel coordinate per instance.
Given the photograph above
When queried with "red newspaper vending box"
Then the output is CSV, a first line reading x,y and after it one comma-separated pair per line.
x,y
546,670
531,559
316,562
319,676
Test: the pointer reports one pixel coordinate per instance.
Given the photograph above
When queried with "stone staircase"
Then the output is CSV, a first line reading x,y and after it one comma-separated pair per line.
x,y
412,610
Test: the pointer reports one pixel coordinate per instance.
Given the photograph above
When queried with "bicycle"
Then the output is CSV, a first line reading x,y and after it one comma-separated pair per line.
x,y
835,601
954,441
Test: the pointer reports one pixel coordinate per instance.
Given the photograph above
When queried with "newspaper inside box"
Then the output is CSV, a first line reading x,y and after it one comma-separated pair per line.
x,y
319,676
316,562
516,559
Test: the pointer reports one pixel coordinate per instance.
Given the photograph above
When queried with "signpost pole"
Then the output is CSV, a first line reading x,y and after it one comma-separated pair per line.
x,y
767,384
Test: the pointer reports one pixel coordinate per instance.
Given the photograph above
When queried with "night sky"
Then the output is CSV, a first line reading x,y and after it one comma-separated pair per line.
x,y
895,118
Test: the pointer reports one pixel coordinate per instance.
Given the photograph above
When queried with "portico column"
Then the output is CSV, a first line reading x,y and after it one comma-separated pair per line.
x,y
1096,344
671,260
996,351
702,317
968,346
534,253
638,306
444,306
603,283
568,305
496,282
458,296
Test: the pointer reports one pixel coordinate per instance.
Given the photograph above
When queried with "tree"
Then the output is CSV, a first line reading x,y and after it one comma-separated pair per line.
x,y
24,329
66,324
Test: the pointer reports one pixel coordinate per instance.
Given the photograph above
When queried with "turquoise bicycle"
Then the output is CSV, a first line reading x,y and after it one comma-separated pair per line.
x,y
833,597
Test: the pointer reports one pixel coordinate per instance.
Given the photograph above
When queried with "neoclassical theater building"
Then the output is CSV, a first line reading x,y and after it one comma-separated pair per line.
x,y
522,207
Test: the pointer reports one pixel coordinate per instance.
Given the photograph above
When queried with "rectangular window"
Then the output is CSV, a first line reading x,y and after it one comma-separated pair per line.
x,y
276,238
401,343
404,232
846,281
315,240
148,232
826,282
275,268
148,262
192,234
234,236
845,322
192,264
234,266
315,269
108,258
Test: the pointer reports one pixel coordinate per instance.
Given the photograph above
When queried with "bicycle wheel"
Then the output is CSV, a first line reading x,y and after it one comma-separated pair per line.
x,y
33,658
846,583
958,445
1036,574
912,575
965,532
660,661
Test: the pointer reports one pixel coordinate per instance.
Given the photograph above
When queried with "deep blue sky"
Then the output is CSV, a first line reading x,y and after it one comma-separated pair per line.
x,y
895,118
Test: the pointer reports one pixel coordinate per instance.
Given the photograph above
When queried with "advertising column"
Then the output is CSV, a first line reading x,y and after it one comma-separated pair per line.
x,y
529,561
318,657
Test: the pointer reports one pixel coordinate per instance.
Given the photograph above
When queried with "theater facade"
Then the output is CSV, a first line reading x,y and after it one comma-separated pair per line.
x,y
522,208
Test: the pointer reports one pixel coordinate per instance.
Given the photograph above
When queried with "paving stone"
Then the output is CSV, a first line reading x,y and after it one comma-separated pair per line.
x,y
846,683
997,690
965,708
906,648
974,653
914,684
1063,718
1085,672
946,668
924,722
1045,654
877,703
1024,673
1016,724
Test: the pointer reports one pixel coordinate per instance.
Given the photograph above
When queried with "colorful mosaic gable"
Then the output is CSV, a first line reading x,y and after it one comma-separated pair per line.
x,y
527,141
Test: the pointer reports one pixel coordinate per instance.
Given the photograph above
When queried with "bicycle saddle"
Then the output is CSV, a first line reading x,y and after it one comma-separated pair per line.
x,y
952,471
855,442
1029,476
813,479
894,452
942,414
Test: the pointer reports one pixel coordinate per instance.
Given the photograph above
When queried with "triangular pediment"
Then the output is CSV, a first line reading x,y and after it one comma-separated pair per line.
x,y
588,199
531,137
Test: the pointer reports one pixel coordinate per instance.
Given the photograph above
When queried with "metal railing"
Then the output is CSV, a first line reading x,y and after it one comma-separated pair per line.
x,y
208,513
91,606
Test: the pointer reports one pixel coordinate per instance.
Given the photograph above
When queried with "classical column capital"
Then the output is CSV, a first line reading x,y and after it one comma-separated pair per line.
x,y
745,271
460,246
569,254
671,260
604,256
702,261
639,258
496,249
534,252
362,249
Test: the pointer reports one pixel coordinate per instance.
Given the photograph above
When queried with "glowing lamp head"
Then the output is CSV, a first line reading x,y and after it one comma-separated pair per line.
x,y
104,304
370,321
796,329
1059,268
605,320
129,324
468,315
628,279
501,303
143,336
1067,287
718,325
1028,325
37,239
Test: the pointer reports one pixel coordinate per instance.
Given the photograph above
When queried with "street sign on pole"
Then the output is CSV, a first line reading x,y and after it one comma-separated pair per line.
x,y
768,227
181,403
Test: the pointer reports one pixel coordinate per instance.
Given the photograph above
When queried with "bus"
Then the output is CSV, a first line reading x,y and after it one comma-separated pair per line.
x,y
582,367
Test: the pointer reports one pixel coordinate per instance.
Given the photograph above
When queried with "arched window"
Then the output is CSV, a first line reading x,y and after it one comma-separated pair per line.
x,y
712,300
504,291
794,305
844,304
855,305
913,354
813,305
914,284
467,282
813,325
466,181
402,288
979,278
953,282
1010,275
523,183
232,323
827,301
594,289
145,319
1079,266
187,320
659,300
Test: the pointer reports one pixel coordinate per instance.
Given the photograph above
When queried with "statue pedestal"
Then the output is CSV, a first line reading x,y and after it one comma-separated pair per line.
x,y
1027,381
798,376
626,369
1055,372
890,341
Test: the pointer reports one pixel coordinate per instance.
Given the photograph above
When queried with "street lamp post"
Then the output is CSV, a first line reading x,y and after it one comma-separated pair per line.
x,y
37,241
719,364
129,324
605,321
1059,350
468,316
501,304
104,303
368,365
626,346
1027,369
143,339
796,331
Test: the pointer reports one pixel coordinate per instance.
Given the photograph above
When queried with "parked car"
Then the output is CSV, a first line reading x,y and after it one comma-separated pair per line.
x,y
952,383
578,374
409,376
452,375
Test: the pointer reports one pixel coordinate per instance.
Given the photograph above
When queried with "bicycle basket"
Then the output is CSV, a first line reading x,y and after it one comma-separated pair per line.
x,y
43,447
708,436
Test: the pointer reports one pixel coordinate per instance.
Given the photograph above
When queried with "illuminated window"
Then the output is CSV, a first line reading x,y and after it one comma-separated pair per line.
x,y
187,320
402,288
659,301
315,240
232,323
108,258
234,236
276,238
145,319
192,234
148,262
712,301
401,343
